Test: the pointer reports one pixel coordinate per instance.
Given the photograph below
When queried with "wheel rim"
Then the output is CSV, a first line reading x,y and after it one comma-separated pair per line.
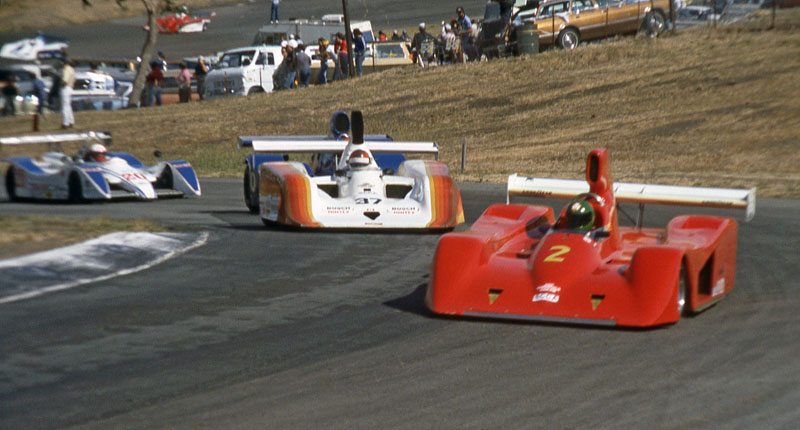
x,y
656,25
569,40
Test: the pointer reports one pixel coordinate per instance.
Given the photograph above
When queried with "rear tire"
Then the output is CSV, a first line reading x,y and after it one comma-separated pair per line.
x,y
75,188
11,185
250,191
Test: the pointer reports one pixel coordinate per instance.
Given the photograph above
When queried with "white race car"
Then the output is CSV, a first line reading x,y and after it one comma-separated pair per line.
x,y
351,183
92,173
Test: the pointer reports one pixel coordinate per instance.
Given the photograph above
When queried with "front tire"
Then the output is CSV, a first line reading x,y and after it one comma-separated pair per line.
x,y
569,39
75,188
655,23
11,185
250,191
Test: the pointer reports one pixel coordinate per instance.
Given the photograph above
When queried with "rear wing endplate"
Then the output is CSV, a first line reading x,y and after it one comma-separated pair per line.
x,y
728,198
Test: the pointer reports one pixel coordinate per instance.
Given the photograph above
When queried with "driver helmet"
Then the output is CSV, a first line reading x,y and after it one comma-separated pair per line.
x,y
580,216
97,152
358,158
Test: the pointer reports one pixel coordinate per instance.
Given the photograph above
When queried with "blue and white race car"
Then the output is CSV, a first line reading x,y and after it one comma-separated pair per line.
x,y
92,173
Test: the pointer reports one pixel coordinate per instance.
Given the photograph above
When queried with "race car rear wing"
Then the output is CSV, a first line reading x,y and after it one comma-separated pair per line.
x,y
638,193
247,141
57,138
264,144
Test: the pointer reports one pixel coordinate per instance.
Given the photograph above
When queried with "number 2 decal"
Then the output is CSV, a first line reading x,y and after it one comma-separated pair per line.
x,y
557,255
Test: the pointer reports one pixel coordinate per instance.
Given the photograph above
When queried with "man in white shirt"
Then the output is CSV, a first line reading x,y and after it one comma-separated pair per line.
x,y
67,83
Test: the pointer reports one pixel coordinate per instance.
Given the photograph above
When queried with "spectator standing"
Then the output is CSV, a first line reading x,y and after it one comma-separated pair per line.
x,y
291,64
395,36
67,83
40,93
10,93
381,36
53,98
303,67
341,54
200,72
184,84
325,53
155,79
359,50
273,13
449,44
420,45
404,36
464,31
279,75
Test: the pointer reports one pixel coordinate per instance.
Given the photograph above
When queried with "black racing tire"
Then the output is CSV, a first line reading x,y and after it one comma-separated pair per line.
x,y
569,39
75,188
11,185
165,180
654,24
683,294
250,194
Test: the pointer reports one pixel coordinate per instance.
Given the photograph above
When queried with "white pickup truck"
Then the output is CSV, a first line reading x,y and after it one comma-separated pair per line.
x,y
243,71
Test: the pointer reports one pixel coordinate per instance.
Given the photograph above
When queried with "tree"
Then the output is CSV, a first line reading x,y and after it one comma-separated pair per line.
x,y
153,8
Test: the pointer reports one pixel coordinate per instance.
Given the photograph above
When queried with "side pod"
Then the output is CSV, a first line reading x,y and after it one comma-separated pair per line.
x,y
654,275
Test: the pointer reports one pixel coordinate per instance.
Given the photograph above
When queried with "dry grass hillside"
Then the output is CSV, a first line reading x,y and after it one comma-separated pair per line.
x,y
18,15
710,107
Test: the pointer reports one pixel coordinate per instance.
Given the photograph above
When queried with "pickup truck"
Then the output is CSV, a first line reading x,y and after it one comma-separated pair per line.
x,y
243,71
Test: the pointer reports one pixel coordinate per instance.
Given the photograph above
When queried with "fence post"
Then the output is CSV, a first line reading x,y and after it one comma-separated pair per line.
x,y
463,154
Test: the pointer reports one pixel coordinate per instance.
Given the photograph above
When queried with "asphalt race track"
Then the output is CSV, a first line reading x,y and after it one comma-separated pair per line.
x,y
271,328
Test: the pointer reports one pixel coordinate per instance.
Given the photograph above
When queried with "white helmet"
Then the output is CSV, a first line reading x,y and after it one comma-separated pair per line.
x,y
97,152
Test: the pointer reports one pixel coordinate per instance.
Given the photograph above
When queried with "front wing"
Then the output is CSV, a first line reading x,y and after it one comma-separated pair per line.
x,y
289,196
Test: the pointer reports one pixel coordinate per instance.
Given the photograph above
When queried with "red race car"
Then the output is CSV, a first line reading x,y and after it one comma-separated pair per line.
x,y
183,22
520,262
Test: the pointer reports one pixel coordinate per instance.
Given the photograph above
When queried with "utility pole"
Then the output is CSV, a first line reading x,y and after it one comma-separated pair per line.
x,y
351,68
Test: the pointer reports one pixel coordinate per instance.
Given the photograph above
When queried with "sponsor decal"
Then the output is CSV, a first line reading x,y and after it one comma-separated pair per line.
x,y
548,292
719,287
338,209
537,193
404,211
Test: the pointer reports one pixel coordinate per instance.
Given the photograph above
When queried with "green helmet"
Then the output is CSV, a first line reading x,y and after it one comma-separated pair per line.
x,y
580,215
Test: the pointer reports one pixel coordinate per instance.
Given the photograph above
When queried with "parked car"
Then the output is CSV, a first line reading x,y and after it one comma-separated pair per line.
x,y
24,75
567,23
96,90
